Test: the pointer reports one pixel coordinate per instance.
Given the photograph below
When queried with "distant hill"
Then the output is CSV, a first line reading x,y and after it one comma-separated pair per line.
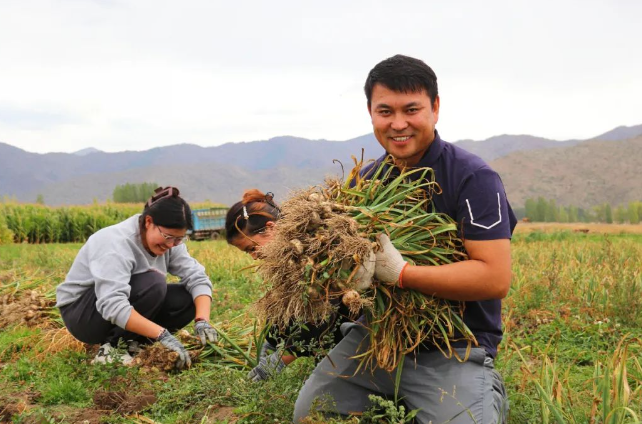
x,y
501,145
621,133
222,172
85,152
219,183
589,173
69,178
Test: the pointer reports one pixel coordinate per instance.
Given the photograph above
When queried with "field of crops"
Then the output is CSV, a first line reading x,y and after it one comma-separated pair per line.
x,y
571,352
34,223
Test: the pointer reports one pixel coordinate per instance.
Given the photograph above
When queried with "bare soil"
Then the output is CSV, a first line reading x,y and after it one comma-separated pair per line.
x,y
105,402
591,228
216,414
31,309
157,357
123,402
68,415
15,404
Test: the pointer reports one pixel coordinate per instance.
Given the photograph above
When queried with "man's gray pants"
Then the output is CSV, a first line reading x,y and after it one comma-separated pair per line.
x,y
443,390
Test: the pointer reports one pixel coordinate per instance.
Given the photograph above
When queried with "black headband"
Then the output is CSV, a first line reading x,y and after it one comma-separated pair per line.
x,y
269,199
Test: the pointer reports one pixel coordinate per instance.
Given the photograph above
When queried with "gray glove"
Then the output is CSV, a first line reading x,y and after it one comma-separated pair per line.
x,y
205,332
268,364
172,343
389,261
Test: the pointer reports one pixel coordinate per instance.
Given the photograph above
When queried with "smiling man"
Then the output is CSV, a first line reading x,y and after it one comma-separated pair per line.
x,y
403,103
403,123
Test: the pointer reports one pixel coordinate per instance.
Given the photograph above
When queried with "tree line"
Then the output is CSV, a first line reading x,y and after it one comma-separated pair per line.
x,y
547,210
133,193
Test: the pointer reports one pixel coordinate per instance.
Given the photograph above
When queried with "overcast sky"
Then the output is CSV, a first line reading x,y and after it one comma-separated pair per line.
x,y
132,75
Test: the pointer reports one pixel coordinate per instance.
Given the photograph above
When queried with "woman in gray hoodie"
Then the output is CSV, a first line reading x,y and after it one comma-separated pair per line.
x,y
117,290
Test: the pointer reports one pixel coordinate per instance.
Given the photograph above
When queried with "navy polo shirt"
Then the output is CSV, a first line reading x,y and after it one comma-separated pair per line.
x,y
473,195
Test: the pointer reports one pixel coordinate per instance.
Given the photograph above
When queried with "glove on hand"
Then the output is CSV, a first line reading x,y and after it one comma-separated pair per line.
x,y
172,343
268,364
205,332
390,264
365,272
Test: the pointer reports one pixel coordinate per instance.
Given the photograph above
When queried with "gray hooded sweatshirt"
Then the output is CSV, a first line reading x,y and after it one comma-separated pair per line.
x,y
108,260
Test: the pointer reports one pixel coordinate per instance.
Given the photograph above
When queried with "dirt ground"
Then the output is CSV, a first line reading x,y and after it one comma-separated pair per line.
x,y
157,357
122,402
105,403
31,309
591,228
217,413
15,404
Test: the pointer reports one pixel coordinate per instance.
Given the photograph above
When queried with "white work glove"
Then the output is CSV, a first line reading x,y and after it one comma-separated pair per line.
x,y
365,272
268,366
390,264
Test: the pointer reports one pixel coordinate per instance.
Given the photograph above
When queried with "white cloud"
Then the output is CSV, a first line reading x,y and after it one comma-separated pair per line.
x,y
133,75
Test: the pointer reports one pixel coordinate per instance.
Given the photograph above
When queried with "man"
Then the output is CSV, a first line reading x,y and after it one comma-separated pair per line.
x,y
403,103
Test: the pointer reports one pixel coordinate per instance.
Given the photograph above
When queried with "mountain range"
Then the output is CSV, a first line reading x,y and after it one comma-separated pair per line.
x,y
581,172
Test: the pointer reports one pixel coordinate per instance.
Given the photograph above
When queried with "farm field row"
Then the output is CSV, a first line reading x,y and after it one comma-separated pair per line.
x,y
572,320
580,227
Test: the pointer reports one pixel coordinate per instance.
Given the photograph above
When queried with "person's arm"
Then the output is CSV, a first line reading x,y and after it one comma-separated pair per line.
x,y
197,283
485,221
191,273
140,325
486,275
203,304
288,359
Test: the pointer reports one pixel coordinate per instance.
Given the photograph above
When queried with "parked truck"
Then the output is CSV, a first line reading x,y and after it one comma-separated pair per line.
x,y
208,223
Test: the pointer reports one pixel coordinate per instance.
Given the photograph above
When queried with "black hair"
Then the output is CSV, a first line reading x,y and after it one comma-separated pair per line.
x,y
168,209
251,214
403,74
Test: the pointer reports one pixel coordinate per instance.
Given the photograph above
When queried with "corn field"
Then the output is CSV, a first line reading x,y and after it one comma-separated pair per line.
x,y
43,224
33,223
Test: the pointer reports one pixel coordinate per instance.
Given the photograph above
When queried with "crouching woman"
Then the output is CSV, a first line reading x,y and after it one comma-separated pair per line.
x,y
250,225
116,289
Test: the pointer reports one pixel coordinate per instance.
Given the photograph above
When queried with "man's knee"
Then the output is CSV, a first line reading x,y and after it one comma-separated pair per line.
x,y
302,405
499,397
320,398
312,399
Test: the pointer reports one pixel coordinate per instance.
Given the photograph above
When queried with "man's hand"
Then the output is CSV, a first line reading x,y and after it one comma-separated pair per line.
x,y
365,272
205,332
268,364
172,343
389,263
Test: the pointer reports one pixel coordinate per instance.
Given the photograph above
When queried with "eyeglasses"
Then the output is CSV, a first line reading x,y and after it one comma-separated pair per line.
x,y
173,239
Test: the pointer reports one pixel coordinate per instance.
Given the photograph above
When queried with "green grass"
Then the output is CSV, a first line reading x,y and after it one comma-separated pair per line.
x,y
573,298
